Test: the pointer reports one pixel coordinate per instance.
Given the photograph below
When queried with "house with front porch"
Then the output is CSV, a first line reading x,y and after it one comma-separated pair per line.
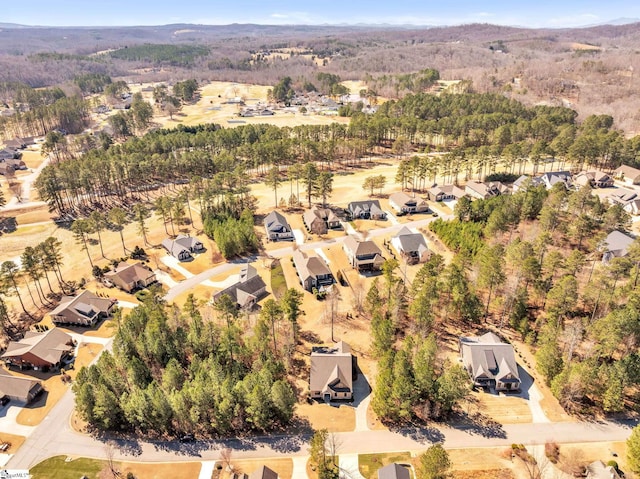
x,y
312,271
331,375
84,309
412,247
365,210
36,350
363,255
406,204
277,227
490,362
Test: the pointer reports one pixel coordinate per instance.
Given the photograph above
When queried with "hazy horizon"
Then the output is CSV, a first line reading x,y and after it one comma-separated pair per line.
x,y
116,13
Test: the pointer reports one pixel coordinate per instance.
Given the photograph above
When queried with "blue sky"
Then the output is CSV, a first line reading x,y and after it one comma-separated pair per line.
x,y
542,13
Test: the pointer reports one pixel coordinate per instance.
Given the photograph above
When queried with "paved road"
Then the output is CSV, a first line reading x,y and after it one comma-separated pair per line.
x,y
54,436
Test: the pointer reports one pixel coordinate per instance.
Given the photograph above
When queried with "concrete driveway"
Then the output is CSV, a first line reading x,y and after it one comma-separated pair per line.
x,y
531,393
349,466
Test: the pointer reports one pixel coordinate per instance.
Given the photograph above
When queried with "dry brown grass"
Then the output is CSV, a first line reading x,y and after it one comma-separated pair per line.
x,y
14,440
174,470
35,412
284,467
503,408
323,416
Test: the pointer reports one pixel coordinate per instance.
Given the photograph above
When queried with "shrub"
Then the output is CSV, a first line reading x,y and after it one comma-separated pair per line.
x,y
552,451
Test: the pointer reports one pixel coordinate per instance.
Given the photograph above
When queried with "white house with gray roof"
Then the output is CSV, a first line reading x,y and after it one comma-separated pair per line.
x,y
411,246
490,362
366,210
393,471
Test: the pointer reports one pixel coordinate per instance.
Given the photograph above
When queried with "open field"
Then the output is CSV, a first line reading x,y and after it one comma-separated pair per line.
x,y
62,467
212,107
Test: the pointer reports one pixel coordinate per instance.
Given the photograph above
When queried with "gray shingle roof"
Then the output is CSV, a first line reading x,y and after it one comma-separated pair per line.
x,y
487,356
393,471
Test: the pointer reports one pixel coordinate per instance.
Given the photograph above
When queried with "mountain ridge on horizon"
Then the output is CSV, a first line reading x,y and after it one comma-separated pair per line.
x,y
383,25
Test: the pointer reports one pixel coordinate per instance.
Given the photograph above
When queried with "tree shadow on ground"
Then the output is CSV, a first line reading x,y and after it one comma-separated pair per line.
x,y
477,424
419,433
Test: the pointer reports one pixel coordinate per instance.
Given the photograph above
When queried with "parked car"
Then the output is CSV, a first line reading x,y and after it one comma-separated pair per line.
x,y
187,438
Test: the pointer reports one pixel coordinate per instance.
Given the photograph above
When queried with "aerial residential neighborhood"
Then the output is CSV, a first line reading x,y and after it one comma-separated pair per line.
x,y
319,249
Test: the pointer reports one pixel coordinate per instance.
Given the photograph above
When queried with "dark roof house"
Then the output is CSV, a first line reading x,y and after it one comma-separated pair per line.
x,y
490,362
40,350
182,246
312,271
393,471
363,255
366,210
331,375
320,220
247,291
277,227
84,309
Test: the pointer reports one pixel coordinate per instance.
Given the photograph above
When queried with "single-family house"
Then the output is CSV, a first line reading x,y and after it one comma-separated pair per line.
x,y
277,227
482,191
552,177
393,471
247,290
40,350
9,154
407,204
365,210
312,271
20,390
182,246
490,362
411,246
320,220
363,255
331,375
6,169
595,179
84,309
616,245
15,144
633,207
621,196
16,163
129,277
598,470
524,182
628,175
446,192
264,472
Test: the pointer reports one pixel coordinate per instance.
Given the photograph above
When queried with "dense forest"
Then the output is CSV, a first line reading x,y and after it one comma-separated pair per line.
x,y
174,371
532,261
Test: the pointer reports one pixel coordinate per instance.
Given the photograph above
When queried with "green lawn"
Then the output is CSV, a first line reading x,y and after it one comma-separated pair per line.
x,y
278,281
370,463
58,468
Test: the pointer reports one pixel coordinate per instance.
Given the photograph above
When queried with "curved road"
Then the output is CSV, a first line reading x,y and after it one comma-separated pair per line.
x,y
54,436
